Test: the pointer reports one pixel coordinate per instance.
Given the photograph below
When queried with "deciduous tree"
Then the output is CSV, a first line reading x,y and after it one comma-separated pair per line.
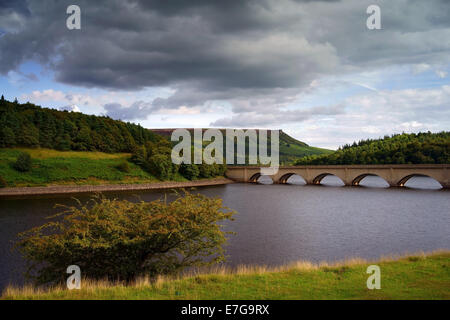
x,y
121,240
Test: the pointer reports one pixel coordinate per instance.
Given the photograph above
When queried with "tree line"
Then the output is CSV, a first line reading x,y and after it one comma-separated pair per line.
x,y
420,148
28,125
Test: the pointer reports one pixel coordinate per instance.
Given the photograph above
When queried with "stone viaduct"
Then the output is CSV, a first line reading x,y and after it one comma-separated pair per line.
x,y
351,175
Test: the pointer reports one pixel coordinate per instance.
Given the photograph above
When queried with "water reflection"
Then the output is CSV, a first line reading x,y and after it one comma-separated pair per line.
x,y
332,181
265,180
296,180
417,182
373,182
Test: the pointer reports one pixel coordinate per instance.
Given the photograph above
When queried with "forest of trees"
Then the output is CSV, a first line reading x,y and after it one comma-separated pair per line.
x,y
420,148
28,125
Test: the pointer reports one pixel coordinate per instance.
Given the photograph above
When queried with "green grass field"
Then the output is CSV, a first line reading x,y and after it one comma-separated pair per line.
x,y
51,167
413,277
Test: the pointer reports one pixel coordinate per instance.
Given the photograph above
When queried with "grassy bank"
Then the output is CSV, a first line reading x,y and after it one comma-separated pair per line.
x,y
411,277
51,167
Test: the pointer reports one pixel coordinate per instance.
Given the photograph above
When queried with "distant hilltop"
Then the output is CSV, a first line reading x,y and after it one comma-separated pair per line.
x,y
290,148
168,131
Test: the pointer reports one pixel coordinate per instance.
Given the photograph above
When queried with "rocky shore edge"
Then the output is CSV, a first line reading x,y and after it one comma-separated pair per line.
x,y
74,189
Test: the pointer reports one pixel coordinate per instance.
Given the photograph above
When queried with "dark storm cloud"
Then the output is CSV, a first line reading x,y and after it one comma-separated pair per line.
x,y
220,50
18,6
130,45
12,15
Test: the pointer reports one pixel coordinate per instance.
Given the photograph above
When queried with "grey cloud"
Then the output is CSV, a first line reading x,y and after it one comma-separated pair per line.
x,y
256,54
138,110
256,119
19,6
221,44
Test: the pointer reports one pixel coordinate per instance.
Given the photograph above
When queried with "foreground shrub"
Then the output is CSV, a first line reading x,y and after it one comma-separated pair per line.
x,y
23,162
123,167
121,240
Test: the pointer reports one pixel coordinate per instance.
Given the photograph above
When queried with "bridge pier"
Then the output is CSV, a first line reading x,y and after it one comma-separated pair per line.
x,y
393,184
348,182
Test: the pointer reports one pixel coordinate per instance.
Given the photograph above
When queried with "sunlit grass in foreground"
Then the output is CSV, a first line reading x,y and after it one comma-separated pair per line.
x,y
420,276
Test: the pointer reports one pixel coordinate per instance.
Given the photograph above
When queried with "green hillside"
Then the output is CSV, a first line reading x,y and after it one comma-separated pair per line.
x,y
52,167
420,148
290,148
40,146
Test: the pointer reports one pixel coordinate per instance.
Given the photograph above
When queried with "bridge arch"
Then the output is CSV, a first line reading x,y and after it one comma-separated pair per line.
x,y
254,178
356,181
404,180
318,179
284,178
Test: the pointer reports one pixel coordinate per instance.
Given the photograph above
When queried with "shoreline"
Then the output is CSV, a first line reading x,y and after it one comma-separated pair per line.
x,y
74,189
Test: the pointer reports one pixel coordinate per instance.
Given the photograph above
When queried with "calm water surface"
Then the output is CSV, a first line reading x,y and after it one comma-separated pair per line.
x,y
278,224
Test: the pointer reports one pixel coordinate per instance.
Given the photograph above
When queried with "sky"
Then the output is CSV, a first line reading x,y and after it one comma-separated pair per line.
x,y
310,68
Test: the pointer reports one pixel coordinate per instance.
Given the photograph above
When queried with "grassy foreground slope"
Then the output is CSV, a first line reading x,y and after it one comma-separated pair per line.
x,y
51,167
413,277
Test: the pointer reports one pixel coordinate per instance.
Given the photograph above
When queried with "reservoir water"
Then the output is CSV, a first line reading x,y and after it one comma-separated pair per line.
x,y
278,224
